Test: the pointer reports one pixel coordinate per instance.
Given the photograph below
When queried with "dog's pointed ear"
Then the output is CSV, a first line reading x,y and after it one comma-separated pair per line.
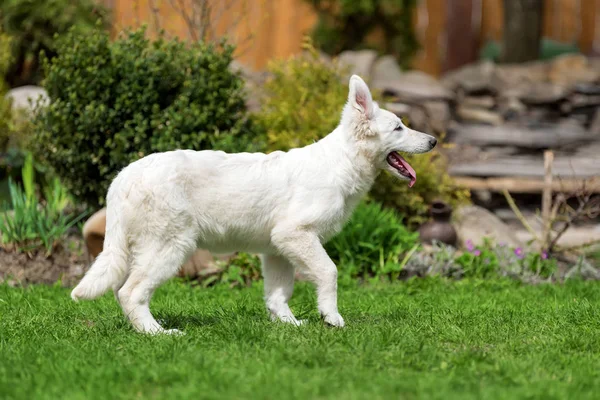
x,y
359,96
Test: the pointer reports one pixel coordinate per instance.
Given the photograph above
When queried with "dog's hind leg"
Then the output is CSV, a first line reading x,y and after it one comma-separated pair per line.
x,y
305,251
152,264
278,276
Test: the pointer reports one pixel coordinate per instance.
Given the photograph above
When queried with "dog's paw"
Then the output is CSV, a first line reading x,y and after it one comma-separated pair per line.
x,y
334,320
173,332
288,319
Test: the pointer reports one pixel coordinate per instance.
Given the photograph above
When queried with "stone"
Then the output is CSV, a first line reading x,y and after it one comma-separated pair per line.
x,y
474,78
418,119
386,69
201,263
359,62
570,69
484,102
439,115
476,224
409,86
543,93
471,114
511,108
595,125
582,101
587,88
510,77
400,109
22,96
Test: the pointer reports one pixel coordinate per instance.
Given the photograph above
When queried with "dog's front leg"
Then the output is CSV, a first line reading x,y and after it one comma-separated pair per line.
x,y
305,251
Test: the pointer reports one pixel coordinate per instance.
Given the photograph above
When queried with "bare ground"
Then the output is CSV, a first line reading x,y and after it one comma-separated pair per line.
x,y
66,264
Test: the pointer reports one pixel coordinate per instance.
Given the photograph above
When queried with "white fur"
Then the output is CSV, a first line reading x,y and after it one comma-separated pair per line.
x,y
283,205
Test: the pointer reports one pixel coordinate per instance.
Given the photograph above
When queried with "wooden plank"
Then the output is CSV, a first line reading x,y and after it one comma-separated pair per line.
x,y
529,166
590,9
542,137
527,185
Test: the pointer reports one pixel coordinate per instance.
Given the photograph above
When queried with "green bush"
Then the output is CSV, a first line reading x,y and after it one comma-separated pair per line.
x,y
349,25
372,243
238,272
113,102
302,103
33,26
28,225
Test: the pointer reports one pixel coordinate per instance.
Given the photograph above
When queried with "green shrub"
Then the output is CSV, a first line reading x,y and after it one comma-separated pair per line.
x,y
349,25
33,26
5,104
303,102
113,102
490,259
240,271
29,226
372,243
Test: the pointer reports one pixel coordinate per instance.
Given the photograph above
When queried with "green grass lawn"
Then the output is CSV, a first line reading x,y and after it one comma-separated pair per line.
x,y
427,338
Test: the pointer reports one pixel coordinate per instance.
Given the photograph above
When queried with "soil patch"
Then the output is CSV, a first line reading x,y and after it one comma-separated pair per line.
x,y
67,264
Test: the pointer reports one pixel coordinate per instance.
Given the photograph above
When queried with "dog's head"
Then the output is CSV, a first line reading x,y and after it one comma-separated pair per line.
x,y
382,133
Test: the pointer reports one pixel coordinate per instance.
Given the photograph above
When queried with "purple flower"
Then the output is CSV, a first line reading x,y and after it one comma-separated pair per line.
x,y
470,245
544,255
519,252
501,244
477,252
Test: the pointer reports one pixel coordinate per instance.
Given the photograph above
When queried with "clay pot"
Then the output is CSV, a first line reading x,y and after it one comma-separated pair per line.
x,y
439,228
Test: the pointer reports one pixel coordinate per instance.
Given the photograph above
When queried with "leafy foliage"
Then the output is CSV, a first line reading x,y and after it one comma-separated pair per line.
x,y
302,101
351,24
372,243
29,226
113,102
490,260
33,26
240,271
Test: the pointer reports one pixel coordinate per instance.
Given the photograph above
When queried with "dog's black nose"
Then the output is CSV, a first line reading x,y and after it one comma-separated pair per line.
x,y
432,142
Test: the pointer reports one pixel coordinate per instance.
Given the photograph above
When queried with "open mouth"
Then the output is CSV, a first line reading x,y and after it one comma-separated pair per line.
x,y
403,167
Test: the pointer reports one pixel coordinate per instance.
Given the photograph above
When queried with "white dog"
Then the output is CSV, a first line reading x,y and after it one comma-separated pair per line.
x,y
282,205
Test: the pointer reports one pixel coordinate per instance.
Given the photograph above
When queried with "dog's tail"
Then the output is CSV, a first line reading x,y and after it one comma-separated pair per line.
x,y
110,267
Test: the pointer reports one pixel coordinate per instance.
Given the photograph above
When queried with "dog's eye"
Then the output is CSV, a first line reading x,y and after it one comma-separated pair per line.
x,y
398,128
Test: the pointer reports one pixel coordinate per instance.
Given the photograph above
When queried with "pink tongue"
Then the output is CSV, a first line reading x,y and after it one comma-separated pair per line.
x,y
411,171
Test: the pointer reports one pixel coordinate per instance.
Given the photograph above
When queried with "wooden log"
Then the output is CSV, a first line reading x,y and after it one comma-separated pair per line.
x,y
547,196
527,185
544,136
529,166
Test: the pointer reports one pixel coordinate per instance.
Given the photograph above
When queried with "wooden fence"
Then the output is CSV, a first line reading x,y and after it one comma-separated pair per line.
x,y
270,29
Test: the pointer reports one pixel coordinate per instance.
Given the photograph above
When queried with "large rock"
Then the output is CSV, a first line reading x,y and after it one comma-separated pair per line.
x,y
385,70
476,224
25,97
358,62
474,78
201,263
439,115
543,93
570,69
412,86
516,76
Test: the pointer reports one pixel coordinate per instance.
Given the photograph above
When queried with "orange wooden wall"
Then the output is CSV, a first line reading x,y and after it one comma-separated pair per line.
x,y
278,26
